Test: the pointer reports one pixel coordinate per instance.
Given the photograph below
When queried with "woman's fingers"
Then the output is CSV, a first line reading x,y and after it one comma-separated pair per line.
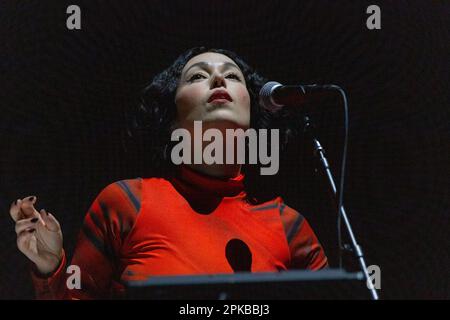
x,y
39,235
23,208
14,210
50,221
26,224
27,207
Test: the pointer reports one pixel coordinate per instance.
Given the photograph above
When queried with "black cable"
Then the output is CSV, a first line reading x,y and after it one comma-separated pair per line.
x,y
343,164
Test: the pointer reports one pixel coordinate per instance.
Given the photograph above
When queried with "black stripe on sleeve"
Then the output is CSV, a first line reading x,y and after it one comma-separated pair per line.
x,y
136,203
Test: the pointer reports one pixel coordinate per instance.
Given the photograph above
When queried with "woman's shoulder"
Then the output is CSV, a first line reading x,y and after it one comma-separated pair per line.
x,y
289,216
116,206
122,195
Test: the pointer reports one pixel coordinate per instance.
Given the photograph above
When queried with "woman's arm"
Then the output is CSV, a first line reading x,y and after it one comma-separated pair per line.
x,y
306,251
97,252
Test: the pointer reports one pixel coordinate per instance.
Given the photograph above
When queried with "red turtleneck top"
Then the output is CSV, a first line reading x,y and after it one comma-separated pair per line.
x,y
190,224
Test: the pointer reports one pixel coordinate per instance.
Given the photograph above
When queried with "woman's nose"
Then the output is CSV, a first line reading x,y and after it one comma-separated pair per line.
x,y
218,81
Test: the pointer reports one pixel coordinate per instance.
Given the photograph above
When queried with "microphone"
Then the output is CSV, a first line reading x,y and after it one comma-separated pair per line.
x,y
274,96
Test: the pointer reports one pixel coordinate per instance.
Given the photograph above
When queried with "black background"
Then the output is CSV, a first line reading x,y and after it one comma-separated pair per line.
x,y
63,95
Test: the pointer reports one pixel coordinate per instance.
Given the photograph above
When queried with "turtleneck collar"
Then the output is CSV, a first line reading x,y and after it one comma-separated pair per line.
x,y
193,183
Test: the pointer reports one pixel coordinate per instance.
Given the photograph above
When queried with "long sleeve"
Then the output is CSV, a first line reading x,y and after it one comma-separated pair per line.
x,y
97,252
306,251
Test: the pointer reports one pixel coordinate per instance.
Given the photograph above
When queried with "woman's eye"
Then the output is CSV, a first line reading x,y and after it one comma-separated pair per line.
x,y
233,76
196,77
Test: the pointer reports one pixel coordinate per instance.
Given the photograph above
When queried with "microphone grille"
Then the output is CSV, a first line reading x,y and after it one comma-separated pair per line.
x,y
265,96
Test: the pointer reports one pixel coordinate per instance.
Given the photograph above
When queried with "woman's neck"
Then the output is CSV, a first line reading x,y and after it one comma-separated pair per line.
x,y
217,170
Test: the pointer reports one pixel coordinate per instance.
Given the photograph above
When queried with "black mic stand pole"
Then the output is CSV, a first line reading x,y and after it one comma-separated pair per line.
x,y
356,248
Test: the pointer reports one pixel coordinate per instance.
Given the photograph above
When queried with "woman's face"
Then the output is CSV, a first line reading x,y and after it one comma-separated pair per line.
x,y
212,89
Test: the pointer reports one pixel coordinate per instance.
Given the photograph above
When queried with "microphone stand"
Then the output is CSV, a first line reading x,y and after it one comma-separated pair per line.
x,y
319,153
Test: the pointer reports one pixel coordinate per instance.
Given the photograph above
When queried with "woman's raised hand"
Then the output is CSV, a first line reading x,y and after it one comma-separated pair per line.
x,y
39,235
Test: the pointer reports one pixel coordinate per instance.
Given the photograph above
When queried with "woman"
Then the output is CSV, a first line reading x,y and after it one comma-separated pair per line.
x,y
194,218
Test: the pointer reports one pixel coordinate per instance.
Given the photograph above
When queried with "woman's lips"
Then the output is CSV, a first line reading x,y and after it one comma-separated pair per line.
x,y
220,96
219,101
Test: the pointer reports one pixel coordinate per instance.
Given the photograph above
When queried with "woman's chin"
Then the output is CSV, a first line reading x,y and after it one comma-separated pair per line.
x,y
225,119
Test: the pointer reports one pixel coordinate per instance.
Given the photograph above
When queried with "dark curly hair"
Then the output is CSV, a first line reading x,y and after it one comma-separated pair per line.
x,y
152,122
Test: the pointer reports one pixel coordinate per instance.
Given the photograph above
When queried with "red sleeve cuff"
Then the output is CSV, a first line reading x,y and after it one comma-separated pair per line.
x,y
49,286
